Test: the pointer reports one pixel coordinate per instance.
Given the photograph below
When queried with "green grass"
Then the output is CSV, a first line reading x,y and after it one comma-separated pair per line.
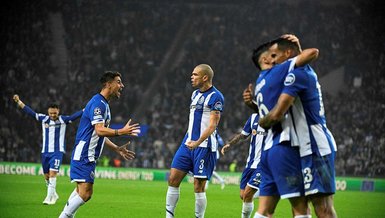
x,y
22,196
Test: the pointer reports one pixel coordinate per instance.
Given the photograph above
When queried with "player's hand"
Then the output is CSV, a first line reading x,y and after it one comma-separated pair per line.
x,y
225,148
248,95
125,153
292,38
16,98
132,130
192,144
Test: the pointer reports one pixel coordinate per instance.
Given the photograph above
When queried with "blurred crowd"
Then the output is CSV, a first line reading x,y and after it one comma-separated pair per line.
x,y
134,38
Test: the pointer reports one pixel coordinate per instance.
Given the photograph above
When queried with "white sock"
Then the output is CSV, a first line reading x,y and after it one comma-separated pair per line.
x,y
71,207
73,194
247,209
51,186
200,204
302,216
171,200
257,215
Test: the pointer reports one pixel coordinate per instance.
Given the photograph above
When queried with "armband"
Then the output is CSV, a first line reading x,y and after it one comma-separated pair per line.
x,y
116,132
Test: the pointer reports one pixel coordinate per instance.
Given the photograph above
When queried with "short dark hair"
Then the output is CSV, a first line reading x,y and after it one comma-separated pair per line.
x,y
258,51
285,44
109,76
53,105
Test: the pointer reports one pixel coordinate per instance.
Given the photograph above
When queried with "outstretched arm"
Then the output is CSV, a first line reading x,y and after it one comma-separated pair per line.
x,y
16,98
121,150
128,129
233,141
215,116
277,113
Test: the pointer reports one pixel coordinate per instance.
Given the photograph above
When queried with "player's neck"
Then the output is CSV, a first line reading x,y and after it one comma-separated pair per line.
x,y
106,94
205,87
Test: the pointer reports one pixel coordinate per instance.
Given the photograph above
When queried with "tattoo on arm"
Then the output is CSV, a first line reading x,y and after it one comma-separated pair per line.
x,y
235,139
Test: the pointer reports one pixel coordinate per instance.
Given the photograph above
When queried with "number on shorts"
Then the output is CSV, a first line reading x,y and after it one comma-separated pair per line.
x,y
202,164
307,177
57,163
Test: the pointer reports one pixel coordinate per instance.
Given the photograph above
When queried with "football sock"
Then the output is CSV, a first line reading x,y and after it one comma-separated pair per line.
x,y
200,204
302,216
171,200
216,175
71,207
73,194
247,209
51,186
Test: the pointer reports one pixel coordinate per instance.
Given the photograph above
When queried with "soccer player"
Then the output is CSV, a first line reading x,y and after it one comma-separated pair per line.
x,y
53,147
91,136
301,99
197,152
251,175
281,177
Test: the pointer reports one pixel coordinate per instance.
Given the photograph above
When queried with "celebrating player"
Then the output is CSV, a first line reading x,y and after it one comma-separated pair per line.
x,y
91,136
197,152
251,175
53,147
301,99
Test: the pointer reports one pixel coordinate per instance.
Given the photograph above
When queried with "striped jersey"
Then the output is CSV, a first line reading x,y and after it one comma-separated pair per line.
x,y
268,88
257,134
88,145
53,130
307,115
202,103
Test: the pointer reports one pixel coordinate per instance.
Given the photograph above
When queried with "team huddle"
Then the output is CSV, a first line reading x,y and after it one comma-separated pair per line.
x,y
291,153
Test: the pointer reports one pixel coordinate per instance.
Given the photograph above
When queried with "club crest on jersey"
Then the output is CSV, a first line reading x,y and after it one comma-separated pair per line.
x,y
97,111
218,106
290,79
201,100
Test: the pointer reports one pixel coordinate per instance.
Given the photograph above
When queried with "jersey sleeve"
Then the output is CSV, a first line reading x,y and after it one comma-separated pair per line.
x,y
216,103
96,112
296,81
70,118
247,127
32,113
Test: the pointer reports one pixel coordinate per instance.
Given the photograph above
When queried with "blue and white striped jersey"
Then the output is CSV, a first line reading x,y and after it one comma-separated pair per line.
x,y
307,115
268,88
53,130
257,135
88,145
202,103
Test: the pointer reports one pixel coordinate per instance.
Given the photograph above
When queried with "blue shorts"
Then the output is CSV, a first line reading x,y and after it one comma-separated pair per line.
x,y
319,174
82,171
200,161
250,177
51,161
281,172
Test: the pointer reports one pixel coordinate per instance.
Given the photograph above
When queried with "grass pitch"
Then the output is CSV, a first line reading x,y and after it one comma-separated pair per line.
x,y
22,196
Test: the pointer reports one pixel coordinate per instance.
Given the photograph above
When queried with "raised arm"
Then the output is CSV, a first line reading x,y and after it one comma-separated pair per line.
x,y
27,109
278,112
73,116
306,56
215,116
